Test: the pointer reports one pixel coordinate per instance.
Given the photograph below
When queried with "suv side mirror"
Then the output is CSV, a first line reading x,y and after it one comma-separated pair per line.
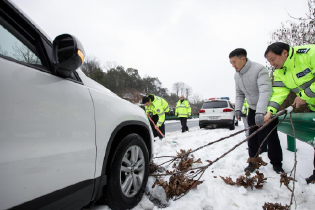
x,y
68,54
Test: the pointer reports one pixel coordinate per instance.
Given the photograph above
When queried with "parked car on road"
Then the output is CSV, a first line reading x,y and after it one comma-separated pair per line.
x,y
217,111
65,140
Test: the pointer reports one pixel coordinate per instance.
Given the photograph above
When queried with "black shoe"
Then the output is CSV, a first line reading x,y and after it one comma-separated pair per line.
x,y
249,168
278,169
310,179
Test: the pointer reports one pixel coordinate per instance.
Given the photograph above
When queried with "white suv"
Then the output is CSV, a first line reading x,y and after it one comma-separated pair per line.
x,y
65,140
217,111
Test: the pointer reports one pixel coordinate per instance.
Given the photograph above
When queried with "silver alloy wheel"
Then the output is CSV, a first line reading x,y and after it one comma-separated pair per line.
x,y
132,171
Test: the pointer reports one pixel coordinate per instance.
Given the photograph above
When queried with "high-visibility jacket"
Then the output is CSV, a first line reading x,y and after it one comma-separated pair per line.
x,y
245,107
158,107
183,109
297,75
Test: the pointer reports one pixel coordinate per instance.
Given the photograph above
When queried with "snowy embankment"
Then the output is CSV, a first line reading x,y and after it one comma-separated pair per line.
x,y
213,193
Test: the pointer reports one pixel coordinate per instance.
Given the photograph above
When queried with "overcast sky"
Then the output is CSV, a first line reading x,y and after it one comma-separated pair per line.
x,y
174,40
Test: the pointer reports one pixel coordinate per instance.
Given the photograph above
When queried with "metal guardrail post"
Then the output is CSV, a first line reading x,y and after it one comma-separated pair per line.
x,y
290,142
304,124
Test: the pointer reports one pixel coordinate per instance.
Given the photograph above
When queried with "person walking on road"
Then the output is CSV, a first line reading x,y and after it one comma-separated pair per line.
x,y
253,83
183,111
157,107
294,71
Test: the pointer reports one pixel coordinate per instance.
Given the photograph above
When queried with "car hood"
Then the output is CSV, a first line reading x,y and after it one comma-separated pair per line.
x,y
88,82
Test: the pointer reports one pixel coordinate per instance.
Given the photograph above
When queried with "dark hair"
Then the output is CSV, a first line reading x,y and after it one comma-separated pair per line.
x,y
277,48
239,52
145,99
151,97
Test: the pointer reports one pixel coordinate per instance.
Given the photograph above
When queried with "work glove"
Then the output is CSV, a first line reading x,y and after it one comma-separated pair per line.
x,y
259,119
289,109
238,114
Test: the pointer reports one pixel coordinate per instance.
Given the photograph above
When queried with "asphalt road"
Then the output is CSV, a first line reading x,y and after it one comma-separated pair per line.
x,y
176,126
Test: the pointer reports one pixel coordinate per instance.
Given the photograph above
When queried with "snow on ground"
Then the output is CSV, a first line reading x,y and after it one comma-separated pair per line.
x,y
214,194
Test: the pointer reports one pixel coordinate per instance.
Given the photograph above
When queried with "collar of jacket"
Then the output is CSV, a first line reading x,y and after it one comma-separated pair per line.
x,y
246,67
290,59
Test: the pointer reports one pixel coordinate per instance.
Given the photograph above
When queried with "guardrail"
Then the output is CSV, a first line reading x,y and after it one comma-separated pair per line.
x,y
176,118
304,124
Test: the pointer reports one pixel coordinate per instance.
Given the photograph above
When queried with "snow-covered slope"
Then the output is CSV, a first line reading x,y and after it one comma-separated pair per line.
x,y
214,194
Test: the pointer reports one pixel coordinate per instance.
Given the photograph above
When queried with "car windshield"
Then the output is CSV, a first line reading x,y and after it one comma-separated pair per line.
x,y
214,104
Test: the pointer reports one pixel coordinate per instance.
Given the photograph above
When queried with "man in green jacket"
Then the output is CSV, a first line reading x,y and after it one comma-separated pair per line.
x,y
183,111
294,71
156,106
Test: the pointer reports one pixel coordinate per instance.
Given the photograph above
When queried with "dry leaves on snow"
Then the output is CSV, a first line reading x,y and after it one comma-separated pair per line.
x,y
257,162
284,179
186,161
177,185
228,180
183,152
275,206
180,183
245,181
155,168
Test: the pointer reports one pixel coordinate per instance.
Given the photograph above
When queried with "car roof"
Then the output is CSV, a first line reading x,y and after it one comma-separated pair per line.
x,y
215,100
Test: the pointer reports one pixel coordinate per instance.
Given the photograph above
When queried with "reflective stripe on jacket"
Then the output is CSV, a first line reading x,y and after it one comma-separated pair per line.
x,y
158,107
245,107
297,75
183,109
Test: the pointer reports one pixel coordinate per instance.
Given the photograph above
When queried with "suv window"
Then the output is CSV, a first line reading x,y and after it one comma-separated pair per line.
x,y
214,104
12,47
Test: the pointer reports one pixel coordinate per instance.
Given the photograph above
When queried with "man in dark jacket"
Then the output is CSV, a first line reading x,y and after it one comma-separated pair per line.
x,y
253,83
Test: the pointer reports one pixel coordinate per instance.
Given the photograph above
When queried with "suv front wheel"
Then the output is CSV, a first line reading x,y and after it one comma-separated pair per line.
x,y
232,126
128,174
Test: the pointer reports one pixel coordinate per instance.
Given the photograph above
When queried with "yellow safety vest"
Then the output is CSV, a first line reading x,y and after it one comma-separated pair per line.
x,y
297,75
158,107
183,109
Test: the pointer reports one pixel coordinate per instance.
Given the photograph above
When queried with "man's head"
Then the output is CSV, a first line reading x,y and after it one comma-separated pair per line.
x,y
146,101
277,54
238,58
182,97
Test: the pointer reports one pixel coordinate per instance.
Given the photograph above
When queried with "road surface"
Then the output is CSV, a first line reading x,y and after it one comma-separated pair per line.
x,y
176,126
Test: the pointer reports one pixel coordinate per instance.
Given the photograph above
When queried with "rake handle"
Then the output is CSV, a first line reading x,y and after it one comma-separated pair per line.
x,y
154,126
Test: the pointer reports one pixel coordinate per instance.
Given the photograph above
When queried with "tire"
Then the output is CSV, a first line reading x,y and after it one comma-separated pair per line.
x,y
232,126
126,184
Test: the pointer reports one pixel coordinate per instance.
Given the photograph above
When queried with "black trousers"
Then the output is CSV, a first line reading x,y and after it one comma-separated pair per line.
x,y
274,146
183,122
155,119
314,156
